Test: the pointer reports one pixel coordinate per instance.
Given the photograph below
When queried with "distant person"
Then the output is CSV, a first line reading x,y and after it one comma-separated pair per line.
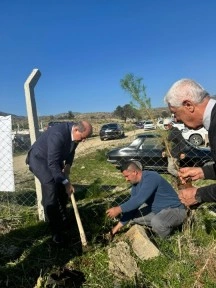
x,y
50,159
176,147
163,211
192,104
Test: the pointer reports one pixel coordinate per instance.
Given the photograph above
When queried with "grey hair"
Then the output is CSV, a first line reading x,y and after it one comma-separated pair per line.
x,y
185,89
82,127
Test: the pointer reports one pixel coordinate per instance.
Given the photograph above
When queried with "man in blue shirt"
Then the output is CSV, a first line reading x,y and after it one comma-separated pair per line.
x,y
163,210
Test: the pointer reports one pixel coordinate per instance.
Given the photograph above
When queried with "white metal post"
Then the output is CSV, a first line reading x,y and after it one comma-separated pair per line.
x,y
33,126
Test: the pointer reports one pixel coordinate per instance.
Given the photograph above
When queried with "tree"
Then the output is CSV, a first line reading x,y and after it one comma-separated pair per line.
x,y
70,115
118,112
127,111
133,85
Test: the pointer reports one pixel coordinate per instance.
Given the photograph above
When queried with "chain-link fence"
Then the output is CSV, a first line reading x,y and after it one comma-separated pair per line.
x,y
145,146
23,195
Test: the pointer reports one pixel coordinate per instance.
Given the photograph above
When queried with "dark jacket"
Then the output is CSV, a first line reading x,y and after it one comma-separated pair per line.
x,y
50,150
208,193
177,142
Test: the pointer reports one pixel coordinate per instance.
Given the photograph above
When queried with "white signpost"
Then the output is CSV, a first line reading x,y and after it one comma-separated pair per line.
x,y
6,155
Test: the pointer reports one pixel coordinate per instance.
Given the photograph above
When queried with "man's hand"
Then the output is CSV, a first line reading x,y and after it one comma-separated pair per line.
x,y
110,235
194,173
69,189
187,196
113,212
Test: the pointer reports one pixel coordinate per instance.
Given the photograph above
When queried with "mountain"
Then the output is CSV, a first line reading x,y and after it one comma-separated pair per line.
x,y
13,115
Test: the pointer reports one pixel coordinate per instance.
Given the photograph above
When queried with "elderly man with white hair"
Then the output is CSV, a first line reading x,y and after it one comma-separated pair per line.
x,y
193,105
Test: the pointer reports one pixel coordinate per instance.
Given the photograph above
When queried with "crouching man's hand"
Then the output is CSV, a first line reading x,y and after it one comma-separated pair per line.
x,y
110,235
113,212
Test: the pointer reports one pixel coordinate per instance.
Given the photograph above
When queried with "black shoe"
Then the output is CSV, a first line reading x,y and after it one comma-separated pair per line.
x,y
57,239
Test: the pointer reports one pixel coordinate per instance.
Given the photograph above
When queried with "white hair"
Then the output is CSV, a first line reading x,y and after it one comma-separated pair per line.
x,y
185,89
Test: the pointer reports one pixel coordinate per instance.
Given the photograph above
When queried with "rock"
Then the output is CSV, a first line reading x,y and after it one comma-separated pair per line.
x,y
122,264
141,244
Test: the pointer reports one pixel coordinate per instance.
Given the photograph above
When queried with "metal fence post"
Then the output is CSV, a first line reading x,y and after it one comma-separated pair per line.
x,y
33,126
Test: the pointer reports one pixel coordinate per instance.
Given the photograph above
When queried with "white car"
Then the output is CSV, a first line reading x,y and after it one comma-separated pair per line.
x,y
196,137
149,125
179,125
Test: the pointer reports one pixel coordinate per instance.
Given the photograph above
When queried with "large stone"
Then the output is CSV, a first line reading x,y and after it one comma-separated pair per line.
x,y
141,244
122,264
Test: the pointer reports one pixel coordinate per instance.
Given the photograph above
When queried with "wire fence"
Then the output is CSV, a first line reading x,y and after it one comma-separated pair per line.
x,y
147,150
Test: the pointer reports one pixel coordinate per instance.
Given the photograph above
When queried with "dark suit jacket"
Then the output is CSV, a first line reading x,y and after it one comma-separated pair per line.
x,y
208,193
50,150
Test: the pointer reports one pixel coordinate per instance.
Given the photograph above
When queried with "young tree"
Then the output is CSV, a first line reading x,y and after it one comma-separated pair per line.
x,y
134,86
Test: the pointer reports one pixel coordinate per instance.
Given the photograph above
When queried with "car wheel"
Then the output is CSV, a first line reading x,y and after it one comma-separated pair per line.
x,y
102,139
196,139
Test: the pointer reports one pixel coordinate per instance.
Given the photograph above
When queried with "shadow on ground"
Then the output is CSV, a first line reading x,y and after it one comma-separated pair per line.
x,y
28,252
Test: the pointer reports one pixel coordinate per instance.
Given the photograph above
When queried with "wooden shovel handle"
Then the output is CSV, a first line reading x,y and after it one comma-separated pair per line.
x,y
79,223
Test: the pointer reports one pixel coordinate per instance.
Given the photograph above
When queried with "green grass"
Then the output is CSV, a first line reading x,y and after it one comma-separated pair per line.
x,y
27,255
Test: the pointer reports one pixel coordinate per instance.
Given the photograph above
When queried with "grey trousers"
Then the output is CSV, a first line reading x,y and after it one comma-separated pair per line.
x,y
163,222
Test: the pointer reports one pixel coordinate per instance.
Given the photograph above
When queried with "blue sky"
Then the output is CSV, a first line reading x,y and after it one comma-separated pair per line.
x,y
84,47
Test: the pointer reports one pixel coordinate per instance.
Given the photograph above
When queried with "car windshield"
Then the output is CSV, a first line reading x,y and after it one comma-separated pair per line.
x,y
109,126
136,142
113,126
148,122
152,143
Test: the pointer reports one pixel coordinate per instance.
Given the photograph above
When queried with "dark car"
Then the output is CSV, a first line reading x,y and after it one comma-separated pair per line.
x,y
53,123
147,148
139,125
111,131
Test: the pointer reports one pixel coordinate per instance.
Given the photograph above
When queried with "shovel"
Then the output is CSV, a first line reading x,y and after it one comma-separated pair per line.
x,y
79,223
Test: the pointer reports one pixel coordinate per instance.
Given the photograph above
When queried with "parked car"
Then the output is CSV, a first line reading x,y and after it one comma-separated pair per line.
x,y
149,125
111,131
179,125
147,149
139,125
21,142
53,123
196,137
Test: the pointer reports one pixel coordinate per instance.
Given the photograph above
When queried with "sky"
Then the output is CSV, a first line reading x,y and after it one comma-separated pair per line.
x,y
83,48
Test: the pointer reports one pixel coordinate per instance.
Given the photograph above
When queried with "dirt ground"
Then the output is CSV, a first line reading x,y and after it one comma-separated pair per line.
x,y
88,146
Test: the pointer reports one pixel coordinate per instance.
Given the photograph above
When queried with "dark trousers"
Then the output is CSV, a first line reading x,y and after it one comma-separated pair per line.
x,y
54,196
54,200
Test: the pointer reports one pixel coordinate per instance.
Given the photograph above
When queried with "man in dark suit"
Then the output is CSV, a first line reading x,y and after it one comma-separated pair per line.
x,y
50,159
192,104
